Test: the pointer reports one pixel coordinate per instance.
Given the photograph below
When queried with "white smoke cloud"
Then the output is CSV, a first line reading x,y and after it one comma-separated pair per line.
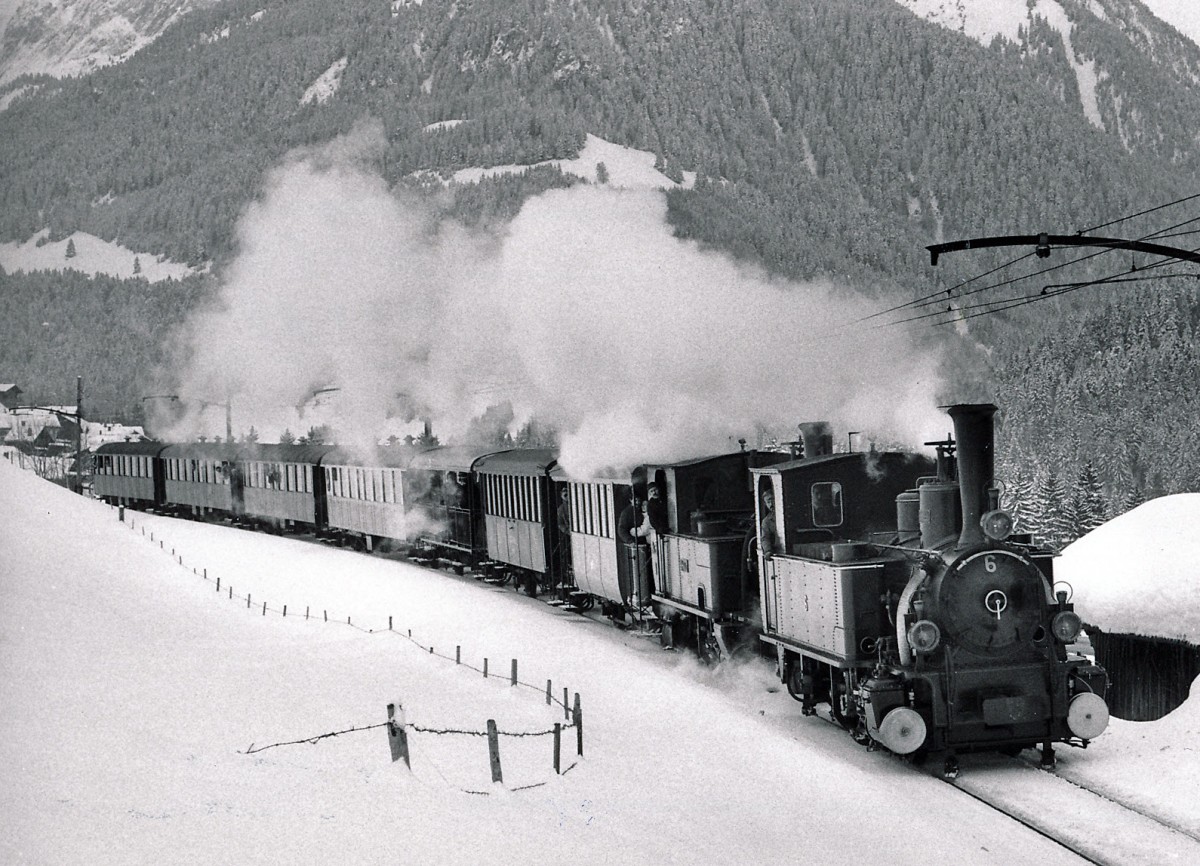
x,y
586,314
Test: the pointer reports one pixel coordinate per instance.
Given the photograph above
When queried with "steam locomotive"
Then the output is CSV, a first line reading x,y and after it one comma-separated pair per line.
x,y
887,585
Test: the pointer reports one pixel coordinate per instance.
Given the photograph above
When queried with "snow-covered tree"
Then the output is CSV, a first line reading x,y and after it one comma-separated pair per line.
x,y
1088,505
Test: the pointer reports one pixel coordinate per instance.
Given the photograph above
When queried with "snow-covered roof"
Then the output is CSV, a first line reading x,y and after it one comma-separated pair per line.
x,y
1140,572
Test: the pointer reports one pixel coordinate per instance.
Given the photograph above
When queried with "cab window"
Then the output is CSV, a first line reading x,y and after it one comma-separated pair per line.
x,y
827,504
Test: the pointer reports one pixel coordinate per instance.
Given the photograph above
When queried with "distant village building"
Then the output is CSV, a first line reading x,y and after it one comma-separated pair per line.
x,y
10,395
44,439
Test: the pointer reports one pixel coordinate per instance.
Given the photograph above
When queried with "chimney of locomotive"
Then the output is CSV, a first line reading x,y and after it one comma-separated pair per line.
x,y
976,439
817,437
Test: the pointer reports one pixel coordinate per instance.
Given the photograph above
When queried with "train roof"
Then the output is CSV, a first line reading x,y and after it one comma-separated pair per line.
x,y
519,461
450,458
601,476
753,457
199,451
830,459
285,453
145,446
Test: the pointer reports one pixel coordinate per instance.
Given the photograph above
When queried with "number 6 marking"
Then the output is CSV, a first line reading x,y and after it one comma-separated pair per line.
x,y
989,564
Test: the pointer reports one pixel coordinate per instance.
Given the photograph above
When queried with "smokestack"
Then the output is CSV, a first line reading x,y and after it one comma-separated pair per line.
x,y
817,437
974,433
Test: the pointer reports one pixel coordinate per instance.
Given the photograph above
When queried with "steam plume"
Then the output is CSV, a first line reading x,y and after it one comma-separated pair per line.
x,y
586,314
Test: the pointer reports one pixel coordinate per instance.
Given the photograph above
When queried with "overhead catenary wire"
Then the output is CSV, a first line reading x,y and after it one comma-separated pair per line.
x,y
935,297
947,296
996,306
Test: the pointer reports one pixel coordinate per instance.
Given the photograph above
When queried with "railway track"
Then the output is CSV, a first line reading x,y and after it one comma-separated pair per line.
x,y
1093,825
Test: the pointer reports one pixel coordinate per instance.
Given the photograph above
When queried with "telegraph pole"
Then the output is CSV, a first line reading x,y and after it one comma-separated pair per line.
x,y
79,435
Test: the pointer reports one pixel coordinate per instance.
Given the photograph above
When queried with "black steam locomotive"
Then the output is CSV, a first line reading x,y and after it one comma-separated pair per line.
x,y
888,585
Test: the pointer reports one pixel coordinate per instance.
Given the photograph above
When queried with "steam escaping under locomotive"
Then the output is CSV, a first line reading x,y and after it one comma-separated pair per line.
x,y
886,584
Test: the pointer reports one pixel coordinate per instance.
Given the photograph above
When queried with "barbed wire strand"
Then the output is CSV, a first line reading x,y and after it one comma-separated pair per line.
x,y
426,650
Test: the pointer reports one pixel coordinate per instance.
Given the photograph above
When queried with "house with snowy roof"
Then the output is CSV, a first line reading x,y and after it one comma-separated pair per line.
x,y
10,395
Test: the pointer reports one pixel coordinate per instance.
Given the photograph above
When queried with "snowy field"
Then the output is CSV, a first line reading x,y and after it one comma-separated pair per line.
x,y
133,690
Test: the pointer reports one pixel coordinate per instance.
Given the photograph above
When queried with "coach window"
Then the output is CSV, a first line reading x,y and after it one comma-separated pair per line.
x,y
827,504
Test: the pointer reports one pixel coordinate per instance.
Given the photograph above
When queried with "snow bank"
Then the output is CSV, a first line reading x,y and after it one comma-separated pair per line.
x,y
1140,572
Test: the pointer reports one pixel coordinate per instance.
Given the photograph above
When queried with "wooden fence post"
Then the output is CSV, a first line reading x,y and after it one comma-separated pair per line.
x,y
398,733
247,601
264,608
514,672
458,655
485,669
218,580
285,610
548,698
578,714
494,751
389,623
557,748
566,706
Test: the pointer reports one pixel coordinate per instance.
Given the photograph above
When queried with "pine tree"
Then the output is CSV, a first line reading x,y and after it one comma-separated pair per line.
x,y
1088,505
137,265
287,438
601,173
71,248
1020,501
1135,497
1055,529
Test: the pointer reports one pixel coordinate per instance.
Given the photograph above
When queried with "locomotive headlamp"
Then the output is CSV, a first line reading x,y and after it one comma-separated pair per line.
x,y
997,525
924,636
1066,626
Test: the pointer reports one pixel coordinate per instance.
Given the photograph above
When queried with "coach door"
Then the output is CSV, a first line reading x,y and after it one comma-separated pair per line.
x,y
768,582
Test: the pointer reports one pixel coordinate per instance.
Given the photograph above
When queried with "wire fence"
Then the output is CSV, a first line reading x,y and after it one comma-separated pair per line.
x,y
572,712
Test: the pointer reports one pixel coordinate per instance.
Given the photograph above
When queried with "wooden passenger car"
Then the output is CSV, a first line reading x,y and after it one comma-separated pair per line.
x,y
367,499
589,554
518,512
283,484
128,473
201,478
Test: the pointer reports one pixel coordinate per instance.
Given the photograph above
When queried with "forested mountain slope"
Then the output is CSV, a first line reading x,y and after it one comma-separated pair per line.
x,y
828,139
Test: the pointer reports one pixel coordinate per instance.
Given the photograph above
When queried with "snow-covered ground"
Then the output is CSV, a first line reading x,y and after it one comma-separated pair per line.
x,y
92,256
133,691
627,167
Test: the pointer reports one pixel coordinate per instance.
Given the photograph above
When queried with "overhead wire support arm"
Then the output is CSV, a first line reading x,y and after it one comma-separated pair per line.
x,y
1043,242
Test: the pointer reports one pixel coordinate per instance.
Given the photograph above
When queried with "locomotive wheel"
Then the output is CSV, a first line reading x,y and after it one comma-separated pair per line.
x,y
795,681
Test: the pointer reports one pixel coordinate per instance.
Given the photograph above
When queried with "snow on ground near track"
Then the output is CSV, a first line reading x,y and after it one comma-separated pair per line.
x,y
131,689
